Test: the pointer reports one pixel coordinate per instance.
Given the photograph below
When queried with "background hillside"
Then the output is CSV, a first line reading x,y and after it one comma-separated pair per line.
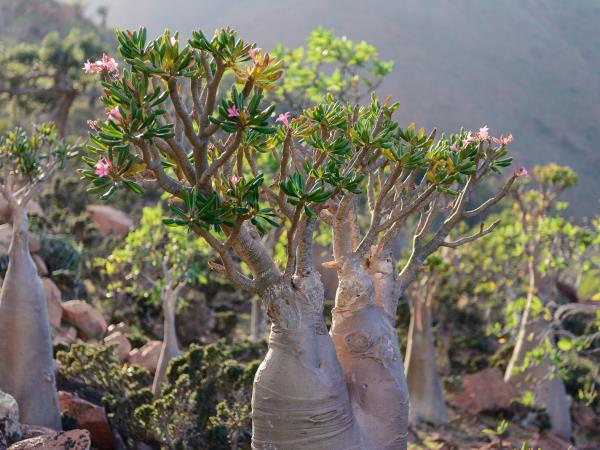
x,y
530,68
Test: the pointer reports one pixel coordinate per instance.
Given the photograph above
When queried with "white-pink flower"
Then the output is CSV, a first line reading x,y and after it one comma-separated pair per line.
x,y
484,133
103,167
115,114
173,41
521,172
233,111
503,140
234,180
89,67
454,148
108,63
284,119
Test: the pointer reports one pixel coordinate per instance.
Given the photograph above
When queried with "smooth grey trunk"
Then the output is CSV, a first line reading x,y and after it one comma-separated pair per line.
x,y
424,383
26,364
257,321
170,348
367,347
300,400
541,379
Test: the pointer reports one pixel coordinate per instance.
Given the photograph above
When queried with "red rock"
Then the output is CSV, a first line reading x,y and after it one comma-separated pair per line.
x,y
584,417
40,265
110,220
72,440
146,356
88,320
54,300
123,344
65,335
485,391
89,417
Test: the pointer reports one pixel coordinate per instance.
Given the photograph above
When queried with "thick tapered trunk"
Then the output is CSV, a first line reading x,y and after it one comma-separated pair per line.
x,y
424,385
300,400
26,366
257,321
541,379
170,348
367,347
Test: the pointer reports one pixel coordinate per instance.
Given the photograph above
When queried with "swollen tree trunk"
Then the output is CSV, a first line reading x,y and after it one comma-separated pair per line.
x,y
300,400
257,321
367,347
542,379
26,366
170,348
424,384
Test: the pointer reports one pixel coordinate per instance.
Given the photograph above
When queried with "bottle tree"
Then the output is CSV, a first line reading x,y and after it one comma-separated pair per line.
x,y
189,119
427,402
408,174
27,372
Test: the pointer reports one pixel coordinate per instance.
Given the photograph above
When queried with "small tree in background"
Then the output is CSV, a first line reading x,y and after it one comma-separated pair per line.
x,y
27,373
46,77
329,65
546,253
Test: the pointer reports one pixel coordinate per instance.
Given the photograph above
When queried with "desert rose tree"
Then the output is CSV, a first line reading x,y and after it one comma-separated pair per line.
x,y
27,372
188,118
409,174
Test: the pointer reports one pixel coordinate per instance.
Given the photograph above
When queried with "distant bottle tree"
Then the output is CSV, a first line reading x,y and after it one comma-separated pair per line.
x,y
45,78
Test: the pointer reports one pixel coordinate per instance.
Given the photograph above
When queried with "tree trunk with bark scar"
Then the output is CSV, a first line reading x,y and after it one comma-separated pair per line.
x,y
170,348
424,384
26,366
366,344
300,400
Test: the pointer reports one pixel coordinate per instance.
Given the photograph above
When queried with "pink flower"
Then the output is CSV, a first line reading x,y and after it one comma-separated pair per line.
x,y
108,63
115,114
454,148
253,52
521,172
89,67
269,59
284,119
234,180
233,112
103,167
483,134
503,140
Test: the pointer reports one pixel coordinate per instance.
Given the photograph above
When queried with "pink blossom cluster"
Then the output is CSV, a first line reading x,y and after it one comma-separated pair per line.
x,y
284,119
484,135
103,167
105,64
